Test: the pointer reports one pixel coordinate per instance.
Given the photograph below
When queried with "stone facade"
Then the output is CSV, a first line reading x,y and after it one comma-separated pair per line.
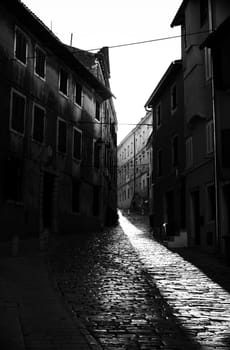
x,y
134,161
58,131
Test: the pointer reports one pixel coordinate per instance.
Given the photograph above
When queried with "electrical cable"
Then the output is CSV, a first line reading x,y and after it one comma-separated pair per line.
x,y
152,40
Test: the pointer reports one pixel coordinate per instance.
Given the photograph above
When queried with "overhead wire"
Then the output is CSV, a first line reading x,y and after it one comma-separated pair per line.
x,y
152,40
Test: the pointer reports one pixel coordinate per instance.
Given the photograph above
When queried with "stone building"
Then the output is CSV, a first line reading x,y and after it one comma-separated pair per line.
x,y
134,159
58,131
204,28
167,208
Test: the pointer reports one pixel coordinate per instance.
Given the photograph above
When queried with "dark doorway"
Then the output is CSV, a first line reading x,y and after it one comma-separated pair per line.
x,y
47,205
196,215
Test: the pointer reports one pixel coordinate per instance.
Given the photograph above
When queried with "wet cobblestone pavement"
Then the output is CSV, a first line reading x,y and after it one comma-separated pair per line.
x,y
131,292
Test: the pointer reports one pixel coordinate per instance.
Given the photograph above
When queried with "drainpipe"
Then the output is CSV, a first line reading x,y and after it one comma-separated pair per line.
x,y
215,130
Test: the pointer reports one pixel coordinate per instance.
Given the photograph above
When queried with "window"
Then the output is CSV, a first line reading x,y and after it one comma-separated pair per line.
x,y
13,180
97,112
38,124
189,152
175,151
158,116
21,46
63,82
62,136
209,137
78,94
208,63
203,11
18,107
75,196
40,62
77,144
211,203
173,98
159,162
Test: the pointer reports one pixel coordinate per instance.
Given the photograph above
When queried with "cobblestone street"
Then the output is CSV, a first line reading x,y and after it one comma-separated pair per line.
x,y
131,292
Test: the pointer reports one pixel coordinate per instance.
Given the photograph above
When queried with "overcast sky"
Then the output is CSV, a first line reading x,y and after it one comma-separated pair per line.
x,y
136,69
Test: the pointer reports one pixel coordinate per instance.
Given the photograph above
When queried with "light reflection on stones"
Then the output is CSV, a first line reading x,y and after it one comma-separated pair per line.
x,y
201,305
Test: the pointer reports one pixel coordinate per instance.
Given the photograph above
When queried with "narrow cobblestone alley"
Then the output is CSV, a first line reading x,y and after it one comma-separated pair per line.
x,y
131,292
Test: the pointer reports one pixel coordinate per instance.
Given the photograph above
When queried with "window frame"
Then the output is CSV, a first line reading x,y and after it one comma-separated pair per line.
x,y
73,144
19,30
97,110
64,121
37,47
36,105
14,91
76,84
63,70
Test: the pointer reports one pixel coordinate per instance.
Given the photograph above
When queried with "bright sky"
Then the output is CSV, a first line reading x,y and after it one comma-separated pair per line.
x,y
135,70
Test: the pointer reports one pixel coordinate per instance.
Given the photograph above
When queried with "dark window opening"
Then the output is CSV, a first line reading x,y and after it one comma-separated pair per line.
x,y
221,69
13,179
97,113
20,46
173,98
18,113
77,144
62,136
40,63
78,94
203,11
39,124
75,196
63,83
